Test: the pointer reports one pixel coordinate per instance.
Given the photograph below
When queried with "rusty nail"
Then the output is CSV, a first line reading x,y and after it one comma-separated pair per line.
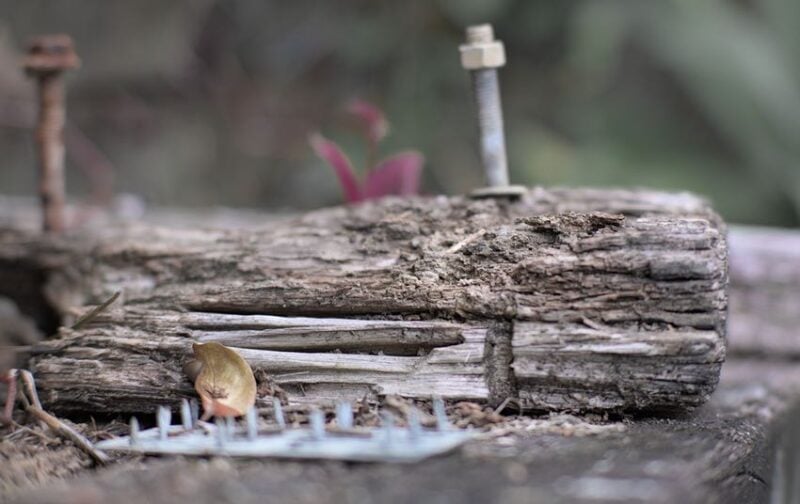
x,y
48,56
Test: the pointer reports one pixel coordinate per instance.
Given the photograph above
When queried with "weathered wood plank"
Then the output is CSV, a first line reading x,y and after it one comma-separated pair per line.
x,y
119,369
765,287
579,367
741,447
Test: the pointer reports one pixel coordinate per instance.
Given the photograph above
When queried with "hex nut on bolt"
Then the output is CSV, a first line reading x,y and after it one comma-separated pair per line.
x,y
481,49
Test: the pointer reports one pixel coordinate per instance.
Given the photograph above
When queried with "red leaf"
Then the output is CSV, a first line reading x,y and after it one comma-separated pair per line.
x,y
333,155
398,175
371,119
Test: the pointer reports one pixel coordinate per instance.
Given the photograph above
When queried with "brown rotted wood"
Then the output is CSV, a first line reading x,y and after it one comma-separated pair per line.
x,y
593,299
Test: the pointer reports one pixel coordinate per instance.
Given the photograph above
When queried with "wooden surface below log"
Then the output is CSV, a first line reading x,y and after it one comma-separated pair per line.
x,y
740,447
439,289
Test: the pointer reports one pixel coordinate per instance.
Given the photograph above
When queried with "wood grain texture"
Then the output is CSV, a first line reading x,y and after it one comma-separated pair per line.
x,y
572,367
413,297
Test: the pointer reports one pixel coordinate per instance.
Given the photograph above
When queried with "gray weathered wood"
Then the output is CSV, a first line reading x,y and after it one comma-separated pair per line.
x,y
572,367
413,297
765,288
740,447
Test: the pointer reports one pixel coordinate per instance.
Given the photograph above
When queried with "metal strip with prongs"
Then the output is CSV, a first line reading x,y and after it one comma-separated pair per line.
x,y
387,443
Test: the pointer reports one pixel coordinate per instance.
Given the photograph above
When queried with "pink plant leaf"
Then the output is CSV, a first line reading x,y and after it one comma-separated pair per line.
x,y
329,152
396,175
370,118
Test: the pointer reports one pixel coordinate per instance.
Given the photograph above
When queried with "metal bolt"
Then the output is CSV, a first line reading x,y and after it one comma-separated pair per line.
x,y
482,55
48,56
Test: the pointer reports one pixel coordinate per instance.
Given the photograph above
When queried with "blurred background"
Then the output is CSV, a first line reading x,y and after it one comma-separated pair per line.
x,y
205,102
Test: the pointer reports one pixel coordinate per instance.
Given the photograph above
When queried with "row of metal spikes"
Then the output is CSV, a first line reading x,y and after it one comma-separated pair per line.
x,y
225,429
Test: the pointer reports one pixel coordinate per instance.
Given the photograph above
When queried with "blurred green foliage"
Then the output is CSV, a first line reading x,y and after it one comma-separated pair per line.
x,y
721,111
211,102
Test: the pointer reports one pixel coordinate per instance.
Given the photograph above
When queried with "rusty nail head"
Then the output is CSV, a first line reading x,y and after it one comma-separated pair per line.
x,y
50,54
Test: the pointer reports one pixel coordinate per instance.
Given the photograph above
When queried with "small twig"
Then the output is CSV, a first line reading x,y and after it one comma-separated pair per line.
x,y
34,408
505,403
69,433
591,324
466,241
10,377
30,387
21,429
94,312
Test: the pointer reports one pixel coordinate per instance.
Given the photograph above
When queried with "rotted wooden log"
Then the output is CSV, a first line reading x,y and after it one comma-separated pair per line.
x,y
568,299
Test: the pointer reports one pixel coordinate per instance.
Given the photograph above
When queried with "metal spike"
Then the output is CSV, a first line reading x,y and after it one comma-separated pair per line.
x,y
195,409
230,430
442,423
277,411
414,424
186,415
317,420
163,420
251,419
220,432
134,433
344,415
387,428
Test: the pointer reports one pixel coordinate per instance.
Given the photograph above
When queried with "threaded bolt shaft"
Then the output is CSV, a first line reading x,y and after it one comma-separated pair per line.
x,y
486,91
482,55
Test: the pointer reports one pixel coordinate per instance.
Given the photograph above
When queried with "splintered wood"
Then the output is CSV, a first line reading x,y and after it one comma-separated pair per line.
x,y
569,299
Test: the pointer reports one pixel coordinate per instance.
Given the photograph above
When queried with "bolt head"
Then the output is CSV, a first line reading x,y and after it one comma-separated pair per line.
x,y
483,55
50,54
